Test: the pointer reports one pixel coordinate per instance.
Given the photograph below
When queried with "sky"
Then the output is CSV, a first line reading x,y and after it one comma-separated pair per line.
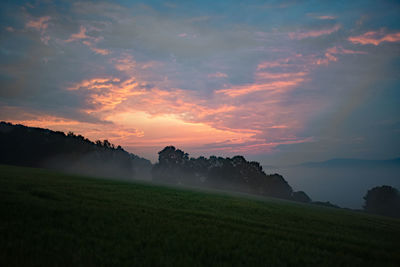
x,y
280,82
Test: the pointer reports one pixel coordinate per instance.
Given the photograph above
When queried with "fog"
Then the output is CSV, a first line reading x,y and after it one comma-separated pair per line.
x,y
99,165
342,185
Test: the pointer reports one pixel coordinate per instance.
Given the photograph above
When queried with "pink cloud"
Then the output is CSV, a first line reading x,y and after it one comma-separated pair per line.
x,y
282,62
88,41
10,29
341,50
39,24
316,33
236,91
78,36
95,49
272,82
247,118
280,75
330,54
375,38
187,35
326,17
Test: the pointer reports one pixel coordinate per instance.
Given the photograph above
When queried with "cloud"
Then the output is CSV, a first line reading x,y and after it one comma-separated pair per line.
x,y
218,75
78,36
273,77
315,33
321,17
231,123
159,85
330,54
10,29
106,93
41,24
100,51
257,87
326,17
343,51
187,36
125,63
87,40
375,38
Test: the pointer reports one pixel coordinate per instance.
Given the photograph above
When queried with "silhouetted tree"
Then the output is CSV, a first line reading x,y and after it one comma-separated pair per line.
x,y
106,144
383,200
301,196
237,174
325,204
36,147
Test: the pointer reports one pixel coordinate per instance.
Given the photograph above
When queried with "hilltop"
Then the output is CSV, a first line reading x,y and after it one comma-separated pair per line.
x,y
37,147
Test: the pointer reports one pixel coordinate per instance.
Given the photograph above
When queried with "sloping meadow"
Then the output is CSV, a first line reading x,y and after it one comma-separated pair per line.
x,y
53,219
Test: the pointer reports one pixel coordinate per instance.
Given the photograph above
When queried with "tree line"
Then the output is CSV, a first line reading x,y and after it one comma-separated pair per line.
x,y
233,174
37,147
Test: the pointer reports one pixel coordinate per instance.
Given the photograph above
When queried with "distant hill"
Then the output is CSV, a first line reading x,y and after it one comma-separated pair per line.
x,y
343,162
37,147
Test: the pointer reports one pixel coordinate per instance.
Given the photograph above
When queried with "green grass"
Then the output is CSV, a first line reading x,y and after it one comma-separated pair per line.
x,y
54,219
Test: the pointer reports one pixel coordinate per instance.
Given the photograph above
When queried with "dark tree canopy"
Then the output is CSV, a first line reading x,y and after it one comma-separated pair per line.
x,y
383,200
36,147
301,196
236,174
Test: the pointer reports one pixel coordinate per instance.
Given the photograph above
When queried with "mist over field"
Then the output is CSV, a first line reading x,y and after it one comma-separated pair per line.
x,y
199,133
342,183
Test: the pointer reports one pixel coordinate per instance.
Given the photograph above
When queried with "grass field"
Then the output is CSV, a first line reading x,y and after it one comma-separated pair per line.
x,y
54,219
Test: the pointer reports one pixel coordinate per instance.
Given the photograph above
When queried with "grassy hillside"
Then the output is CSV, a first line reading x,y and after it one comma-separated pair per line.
x,y
52,219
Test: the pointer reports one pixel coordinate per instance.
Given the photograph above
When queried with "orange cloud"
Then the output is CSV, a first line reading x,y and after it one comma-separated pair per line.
x,y
88,41
266,81
251,88
106,93
375,38
251,118
96,50
162,130
306,34
125,63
